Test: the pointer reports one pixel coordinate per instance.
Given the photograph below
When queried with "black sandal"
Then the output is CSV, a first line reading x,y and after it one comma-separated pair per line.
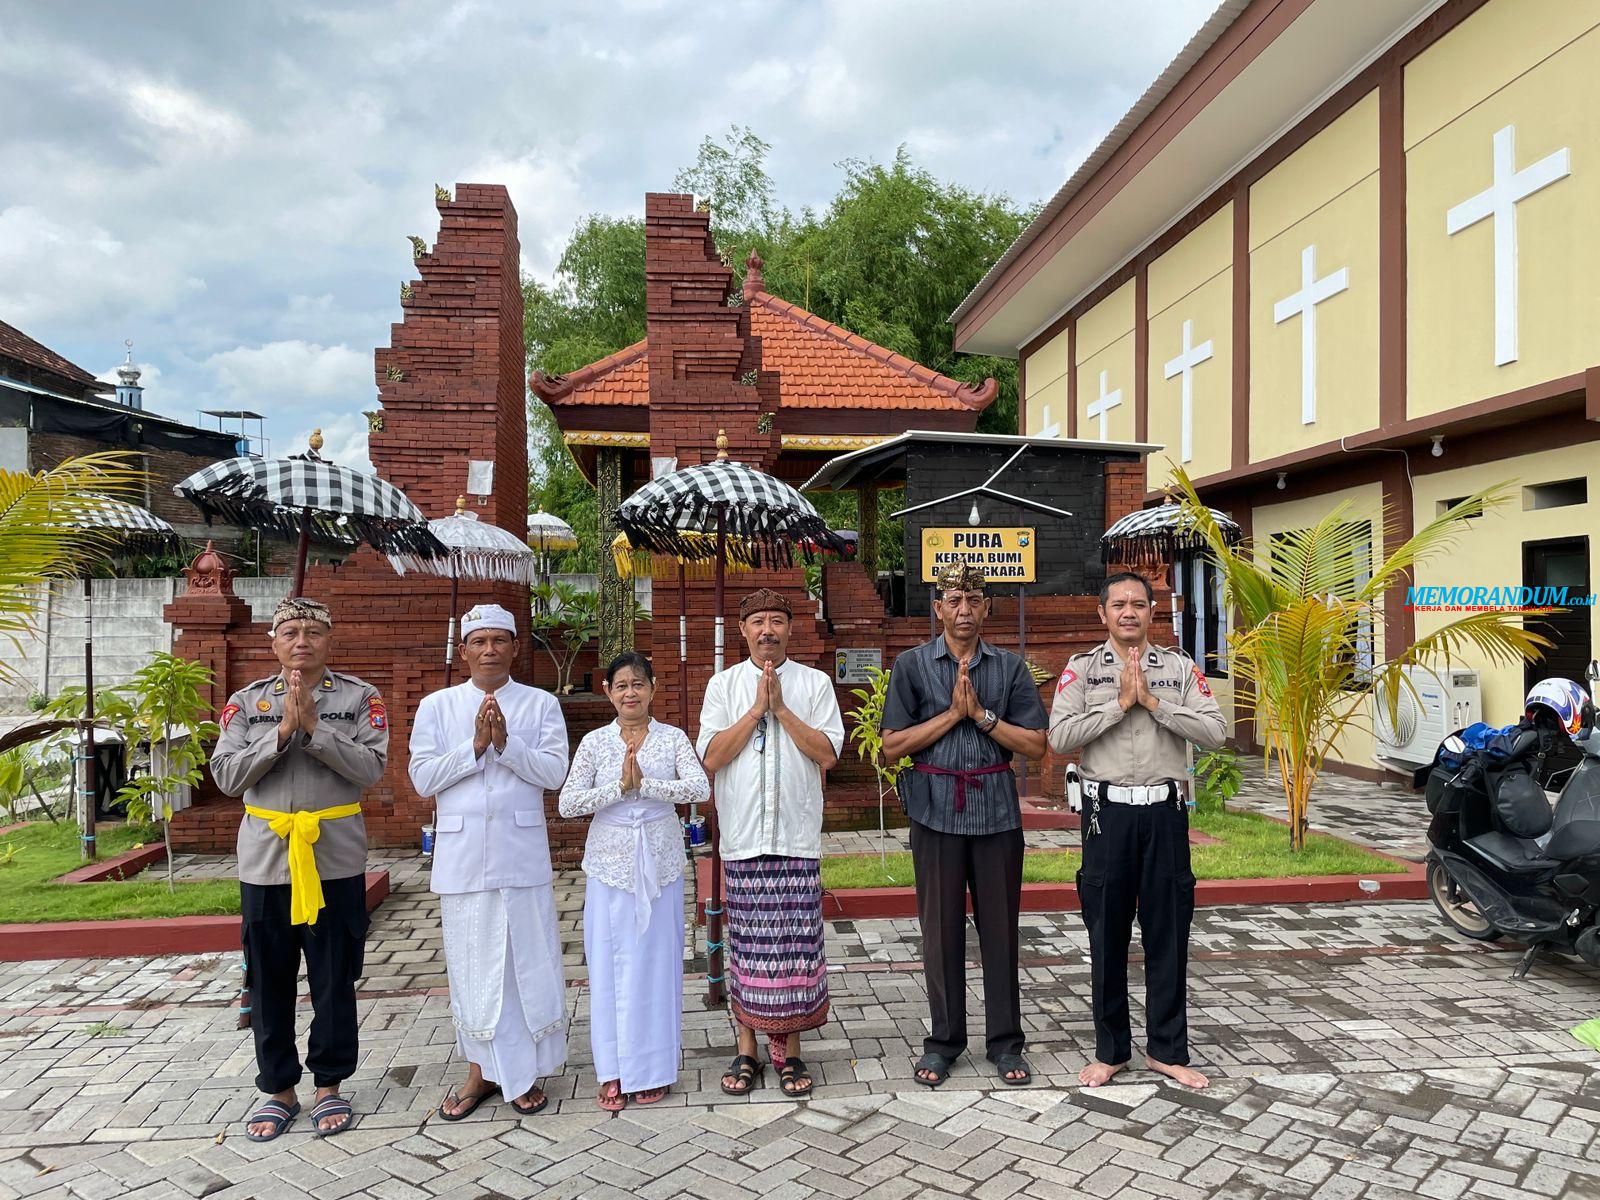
x,y
537,1106
1006,1063
452,1099
746,1071
791,1073
936,1065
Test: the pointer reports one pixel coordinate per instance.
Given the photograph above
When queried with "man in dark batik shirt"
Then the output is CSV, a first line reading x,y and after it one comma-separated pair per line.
x,y
960,708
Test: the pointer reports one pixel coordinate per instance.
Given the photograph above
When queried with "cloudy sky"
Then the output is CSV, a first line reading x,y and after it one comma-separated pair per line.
x,y
231,185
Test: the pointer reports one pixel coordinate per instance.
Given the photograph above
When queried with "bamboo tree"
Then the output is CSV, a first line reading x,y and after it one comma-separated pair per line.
x,y
1306,619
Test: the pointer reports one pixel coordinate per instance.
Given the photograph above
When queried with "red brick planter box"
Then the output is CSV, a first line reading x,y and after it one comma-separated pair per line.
x,y
879,903
139,938
115,870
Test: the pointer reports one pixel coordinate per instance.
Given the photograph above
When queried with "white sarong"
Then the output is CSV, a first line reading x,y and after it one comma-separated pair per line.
x,y
507,992
635,985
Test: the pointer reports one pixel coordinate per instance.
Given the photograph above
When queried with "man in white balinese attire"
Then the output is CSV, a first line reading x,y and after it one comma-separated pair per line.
x,y
486,750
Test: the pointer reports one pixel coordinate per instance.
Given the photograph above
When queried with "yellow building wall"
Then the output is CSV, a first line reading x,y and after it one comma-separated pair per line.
x,y
1105,343
1045,377
1356,745
1193,282
1541,78
1489,552
1324,195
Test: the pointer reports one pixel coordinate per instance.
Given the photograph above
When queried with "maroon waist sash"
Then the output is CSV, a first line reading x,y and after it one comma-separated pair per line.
x,y
962,778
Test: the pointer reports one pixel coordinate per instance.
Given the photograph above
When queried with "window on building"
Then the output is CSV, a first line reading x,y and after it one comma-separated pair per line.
x,y
1445,506
1202,624
1560,493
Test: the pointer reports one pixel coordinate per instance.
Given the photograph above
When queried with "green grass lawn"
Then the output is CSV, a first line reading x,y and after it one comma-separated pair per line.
x,y
44,851
1252,847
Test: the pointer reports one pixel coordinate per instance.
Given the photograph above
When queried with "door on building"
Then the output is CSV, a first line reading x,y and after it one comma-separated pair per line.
x,y
1560,562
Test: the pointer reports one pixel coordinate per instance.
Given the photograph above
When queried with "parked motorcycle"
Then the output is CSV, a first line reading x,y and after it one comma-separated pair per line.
x,y
1503,860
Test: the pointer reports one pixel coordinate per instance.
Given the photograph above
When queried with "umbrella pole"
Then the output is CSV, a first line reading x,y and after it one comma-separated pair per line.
x,y
716,997
301,552
88,799
683,641
1022,649
450,638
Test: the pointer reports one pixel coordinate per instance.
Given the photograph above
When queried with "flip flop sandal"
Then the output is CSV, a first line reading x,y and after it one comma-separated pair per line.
x,y
611,1101
791,1075
538,1106
280,1114
453,1099
746,1071
936,1065
657,1095
1012,1062
332,1106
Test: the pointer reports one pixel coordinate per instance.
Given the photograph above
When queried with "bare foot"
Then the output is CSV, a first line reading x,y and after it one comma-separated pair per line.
x,y
262,1128
1097,1073
1187,1076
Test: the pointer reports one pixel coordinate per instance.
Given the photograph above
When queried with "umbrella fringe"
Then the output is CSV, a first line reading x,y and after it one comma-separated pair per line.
x,y
472,564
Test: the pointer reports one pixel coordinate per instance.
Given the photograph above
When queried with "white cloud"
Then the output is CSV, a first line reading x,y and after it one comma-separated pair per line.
x,y
344,440
294,370
177,110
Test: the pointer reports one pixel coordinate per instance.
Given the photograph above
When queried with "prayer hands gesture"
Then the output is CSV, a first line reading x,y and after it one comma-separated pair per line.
x,y
769,694
299,710
964,700
1134,688
632,776
489,727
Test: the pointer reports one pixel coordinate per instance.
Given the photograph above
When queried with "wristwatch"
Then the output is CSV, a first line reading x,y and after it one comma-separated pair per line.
x,y
990,720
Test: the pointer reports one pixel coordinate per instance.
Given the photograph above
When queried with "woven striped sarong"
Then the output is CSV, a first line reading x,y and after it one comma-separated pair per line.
x,y
777,973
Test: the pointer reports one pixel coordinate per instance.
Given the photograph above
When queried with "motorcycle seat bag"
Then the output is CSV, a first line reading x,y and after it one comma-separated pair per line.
x,y
1448,789
1521,808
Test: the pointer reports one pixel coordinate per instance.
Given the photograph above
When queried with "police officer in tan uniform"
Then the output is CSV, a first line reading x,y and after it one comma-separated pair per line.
x,y
1130,707
300,747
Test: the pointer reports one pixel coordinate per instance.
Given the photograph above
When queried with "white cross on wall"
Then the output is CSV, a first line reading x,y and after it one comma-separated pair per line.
x,y
1106,402
1049,428
1313,291
1184,365
1499,200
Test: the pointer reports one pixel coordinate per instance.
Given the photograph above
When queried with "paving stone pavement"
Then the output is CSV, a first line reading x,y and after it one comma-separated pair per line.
x,y
1357,1050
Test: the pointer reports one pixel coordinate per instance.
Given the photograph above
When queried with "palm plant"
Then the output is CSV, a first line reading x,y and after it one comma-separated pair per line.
x,y
1302,647
39,543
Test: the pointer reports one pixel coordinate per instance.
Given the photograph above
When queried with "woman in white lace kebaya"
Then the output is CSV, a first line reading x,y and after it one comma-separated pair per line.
x,y
630,774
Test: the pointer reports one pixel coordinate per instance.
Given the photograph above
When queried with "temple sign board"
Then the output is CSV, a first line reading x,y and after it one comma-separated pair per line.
x,y
1004,555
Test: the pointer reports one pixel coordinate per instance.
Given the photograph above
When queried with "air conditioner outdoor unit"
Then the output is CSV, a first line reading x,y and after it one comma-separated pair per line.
x,y
1443,702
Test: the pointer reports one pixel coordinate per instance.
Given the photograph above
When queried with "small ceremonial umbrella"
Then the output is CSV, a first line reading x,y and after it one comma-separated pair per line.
x,y
477,550
130,530
757,520
306,495
1153,537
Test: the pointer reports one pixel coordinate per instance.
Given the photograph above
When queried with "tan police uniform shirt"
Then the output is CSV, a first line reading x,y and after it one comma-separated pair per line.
x,y
1136,746
332,767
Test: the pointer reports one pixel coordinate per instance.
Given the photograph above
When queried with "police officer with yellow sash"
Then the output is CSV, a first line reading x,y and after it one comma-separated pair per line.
x,y
1130,707
301,747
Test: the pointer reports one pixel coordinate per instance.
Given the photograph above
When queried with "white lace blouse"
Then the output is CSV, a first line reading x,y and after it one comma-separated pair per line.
x,y
628,823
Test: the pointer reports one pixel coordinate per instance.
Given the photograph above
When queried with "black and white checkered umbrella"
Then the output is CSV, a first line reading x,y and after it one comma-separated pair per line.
x,y
763,518
1152,536
131,529
307,497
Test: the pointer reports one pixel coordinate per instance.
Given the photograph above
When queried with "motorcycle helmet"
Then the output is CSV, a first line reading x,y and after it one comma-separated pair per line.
x,y
1562,698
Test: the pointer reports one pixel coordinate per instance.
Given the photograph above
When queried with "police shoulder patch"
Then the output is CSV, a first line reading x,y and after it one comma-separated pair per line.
x,y
1068,678
377,715
229,713
1200,679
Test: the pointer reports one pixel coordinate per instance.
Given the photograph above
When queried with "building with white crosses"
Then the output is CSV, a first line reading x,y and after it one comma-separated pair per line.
x,y
1342,250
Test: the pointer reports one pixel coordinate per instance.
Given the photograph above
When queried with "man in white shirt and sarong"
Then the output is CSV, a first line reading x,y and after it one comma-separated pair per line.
x,y
769,728
486,750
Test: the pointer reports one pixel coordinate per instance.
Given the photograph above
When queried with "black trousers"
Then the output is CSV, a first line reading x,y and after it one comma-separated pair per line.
x,y
1139,862
949,867
334,948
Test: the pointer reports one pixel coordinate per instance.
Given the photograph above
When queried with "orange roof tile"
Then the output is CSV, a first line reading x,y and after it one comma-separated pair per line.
x,y
819,365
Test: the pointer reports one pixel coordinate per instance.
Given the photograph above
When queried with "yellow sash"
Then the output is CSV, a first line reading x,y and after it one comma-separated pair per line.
x,y
302,829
